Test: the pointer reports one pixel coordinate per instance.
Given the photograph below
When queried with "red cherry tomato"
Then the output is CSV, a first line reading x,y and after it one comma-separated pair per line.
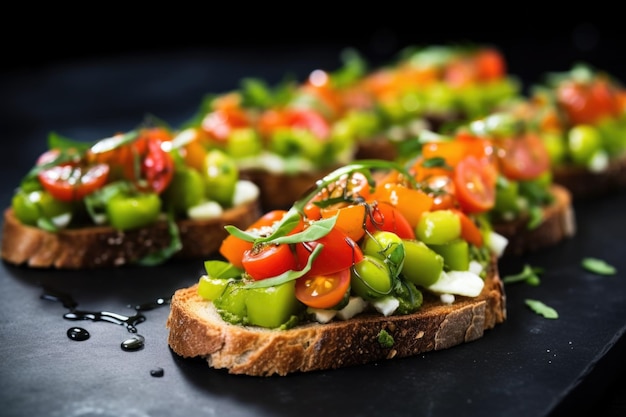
x,y
72,180
475,185
323,291
268,261
233,248
306,119
524,157
588,102
386,217
339,252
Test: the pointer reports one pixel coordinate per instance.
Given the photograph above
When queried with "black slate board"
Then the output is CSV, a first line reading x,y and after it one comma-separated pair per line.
x,y
528,366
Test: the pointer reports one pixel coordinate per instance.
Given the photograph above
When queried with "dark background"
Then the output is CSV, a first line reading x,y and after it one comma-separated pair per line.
x,y
535,38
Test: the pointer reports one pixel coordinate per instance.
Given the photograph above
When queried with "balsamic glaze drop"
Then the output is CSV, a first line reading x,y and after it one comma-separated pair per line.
x,y
134,343
157,372
78,333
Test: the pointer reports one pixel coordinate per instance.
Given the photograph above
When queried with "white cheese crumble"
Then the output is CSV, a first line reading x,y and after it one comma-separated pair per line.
x,y
496,243
464,283
386,305
206,210
245,191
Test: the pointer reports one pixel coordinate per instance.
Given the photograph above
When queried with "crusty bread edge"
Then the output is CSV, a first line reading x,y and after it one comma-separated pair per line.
x,y
559,223
102,246
197,330
584,183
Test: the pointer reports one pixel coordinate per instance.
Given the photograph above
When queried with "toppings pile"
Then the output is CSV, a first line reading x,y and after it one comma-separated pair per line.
x,y
368,236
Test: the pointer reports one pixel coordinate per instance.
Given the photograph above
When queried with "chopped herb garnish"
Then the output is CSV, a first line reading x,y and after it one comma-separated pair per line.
x,y
542,309
385,339
528,275
598,266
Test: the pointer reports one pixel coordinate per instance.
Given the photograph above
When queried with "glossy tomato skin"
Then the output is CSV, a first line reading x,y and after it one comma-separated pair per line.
x,y
385,217
268,260
524,157
70,181
339,252
475,185
232,248
323,290
588,102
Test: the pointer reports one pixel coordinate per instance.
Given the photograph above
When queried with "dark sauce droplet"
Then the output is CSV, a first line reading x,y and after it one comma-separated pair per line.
x,y
136,342
157,372
78,333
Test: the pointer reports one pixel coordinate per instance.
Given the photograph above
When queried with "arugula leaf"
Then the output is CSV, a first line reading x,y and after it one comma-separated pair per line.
x,y
542,309
528,275
598,266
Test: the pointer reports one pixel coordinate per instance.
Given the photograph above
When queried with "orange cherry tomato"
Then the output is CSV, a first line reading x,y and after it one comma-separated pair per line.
x,y
410,202
469,230
232,248
475,185
268,260
350,219
339,252
441,190
523,157
323,291
385,216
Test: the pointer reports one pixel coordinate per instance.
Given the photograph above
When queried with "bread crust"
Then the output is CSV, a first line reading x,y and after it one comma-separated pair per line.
x,y
197,330
559,222
583,183
103,246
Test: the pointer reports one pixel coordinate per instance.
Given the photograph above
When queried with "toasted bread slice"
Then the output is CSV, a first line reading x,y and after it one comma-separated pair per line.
x,y
559,222
197,330
583,183
103,246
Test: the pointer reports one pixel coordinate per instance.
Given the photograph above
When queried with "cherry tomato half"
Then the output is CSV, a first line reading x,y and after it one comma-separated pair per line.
x,y
388,218
323,291
523,157
339,252
233,248
268,260
71,181
475,185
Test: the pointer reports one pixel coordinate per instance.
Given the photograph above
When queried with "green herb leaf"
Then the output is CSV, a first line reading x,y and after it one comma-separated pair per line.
x,y
385,339
287,275
221,269
542,309
598,266
528,275
535,217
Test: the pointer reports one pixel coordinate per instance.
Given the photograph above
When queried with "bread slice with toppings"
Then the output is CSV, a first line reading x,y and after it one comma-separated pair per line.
x,y
196,329
558,223
104,246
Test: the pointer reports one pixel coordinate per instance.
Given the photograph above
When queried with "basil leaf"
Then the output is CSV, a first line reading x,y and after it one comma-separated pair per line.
x,y
287,275
598,266
221,269
542,309
316,230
